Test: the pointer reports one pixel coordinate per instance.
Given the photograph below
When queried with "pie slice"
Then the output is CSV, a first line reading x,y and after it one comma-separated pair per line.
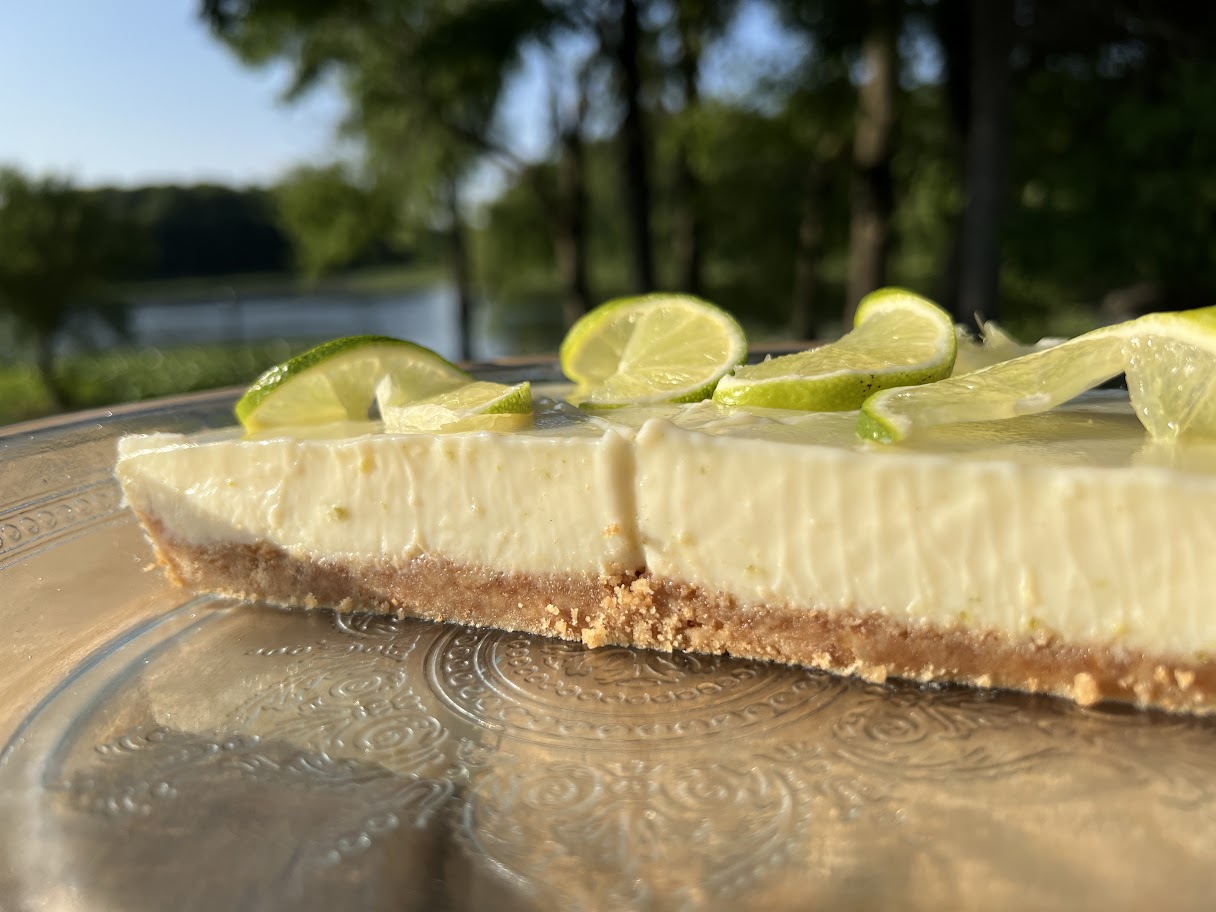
x,y
1062,553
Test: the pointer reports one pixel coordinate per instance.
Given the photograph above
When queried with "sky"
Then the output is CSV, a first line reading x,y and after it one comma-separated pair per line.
x,y
137,91
130,92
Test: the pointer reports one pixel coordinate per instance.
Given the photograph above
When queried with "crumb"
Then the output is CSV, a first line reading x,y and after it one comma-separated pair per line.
x,y
876,674
596,633
1085,689
614,529
1184,678
552,609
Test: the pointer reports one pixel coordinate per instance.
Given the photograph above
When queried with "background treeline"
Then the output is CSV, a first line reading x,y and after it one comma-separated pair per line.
x,y
1024,159
210,230
1049,164
199,230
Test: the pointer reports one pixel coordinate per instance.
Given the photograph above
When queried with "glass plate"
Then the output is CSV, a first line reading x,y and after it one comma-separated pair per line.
x,y
159,751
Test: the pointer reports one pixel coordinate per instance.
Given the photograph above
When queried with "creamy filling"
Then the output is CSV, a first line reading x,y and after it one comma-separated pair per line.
x,y
1067,524
557,499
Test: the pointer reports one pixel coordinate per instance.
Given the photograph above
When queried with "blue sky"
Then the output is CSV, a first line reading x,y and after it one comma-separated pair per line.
x,y
137,91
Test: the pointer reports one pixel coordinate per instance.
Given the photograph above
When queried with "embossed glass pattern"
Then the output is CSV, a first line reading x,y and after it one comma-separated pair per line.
x,y
159,751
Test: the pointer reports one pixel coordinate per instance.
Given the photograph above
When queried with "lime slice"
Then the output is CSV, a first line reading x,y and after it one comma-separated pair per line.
x,y
898,339
336,381
654,348
1169,359
477,406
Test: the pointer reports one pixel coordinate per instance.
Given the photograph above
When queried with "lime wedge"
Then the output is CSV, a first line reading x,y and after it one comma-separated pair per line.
x,y
649,349
336,381
1169,359
477,406
898,339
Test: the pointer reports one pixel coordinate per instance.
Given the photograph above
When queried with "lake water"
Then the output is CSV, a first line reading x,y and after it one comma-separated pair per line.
x,y
427,316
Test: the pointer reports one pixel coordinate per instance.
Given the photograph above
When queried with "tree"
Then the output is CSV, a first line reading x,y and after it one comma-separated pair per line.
x,y
1110,185
873,149
570,234
331,218
636,173
60,248
423,80
697,23
200,230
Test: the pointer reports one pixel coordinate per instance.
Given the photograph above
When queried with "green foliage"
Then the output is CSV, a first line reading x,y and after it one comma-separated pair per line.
x,y
132,374
927,169
199,230
743,156
1111,181
58,248
423,78
332,221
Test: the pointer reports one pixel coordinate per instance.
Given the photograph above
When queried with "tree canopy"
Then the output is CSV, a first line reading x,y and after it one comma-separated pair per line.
x,y
60,248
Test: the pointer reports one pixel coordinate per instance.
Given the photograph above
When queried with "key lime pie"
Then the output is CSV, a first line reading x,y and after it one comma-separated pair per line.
x,y
856,507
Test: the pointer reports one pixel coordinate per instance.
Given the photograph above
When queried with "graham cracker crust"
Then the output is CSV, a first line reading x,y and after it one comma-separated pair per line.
x,y
642,611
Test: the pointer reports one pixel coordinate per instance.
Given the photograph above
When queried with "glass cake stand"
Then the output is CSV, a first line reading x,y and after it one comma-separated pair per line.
x,y
160,751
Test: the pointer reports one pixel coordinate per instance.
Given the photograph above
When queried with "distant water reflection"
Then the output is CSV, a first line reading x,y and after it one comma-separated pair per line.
x,y
427,316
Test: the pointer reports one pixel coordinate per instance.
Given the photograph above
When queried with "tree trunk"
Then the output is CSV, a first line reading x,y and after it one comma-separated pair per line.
x,y
804,318
462,276
688,227
988,136
570,239
44,345
953,25
633,133
873,145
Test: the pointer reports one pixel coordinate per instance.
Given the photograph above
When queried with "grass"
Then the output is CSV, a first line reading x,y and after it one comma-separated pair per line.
x,y
133,374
